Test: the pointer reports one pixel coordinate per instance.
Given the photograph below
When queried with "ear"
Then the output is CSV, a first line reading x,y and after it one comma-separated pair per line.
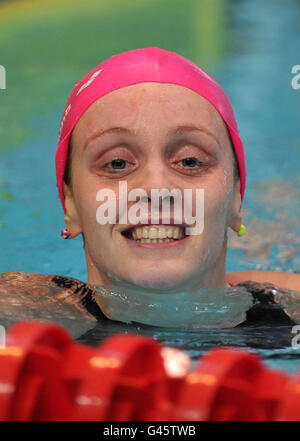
x,y
236,214
71,217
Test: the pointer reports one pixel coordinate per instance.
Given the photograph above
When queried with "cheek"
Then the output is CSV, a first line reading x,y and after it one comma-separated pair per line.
x,y
83,185
86,186
86,189
217,199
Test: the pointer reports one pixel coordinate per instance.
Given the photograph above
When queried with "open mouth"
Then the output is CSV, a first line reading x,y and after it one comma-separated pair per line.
x,y
155,233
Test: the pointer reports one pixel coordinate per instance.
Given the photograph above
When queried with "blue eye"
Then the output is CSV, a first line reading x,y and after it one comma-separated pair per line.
x,y
118,164
190,162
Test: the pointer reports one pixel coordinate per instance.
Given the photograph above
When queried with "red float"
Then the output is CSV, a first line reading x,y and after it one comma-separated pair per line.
x,y
44,375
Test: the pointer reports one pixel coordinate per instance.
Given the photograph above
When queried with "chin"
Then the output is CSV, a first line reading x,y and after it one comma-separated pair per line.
x,y
161,281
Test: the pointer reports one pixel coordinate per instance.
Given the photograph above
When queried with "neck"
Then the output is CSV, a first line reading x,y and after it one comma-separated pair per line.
x,y
215,278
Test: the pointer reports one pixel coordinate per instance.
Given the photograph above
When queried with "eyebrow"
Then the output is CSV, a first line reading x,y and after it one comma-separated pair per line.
x,y
179,130
112,130
192,128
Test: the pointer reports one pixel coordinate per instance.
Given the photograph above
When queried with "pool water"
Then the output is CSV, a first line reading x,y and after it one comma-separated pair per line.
x,y
272,344
249,47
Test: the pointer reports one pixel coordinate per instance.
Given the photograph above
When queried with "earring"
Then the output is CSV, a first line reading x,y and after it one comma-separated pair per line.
x,y
242,230
65,234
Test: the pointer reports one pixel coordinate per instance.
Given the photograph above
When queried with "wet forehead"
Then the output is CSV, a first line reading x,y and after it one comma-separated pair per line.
x,y
145,106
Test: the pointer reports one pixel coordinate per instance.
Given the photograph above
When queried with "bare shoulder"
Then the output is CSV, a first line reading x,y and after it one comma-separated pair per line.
x,y
36,285
290,281
26,296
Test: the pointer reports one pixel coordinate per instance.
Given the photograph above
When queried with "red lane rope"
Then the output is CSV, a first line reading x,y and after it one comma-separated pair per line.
x,y
45,375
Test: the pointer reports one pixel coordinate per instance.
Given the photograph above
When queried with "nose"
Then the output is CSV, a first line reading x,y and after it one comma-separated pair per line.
x,y
155,175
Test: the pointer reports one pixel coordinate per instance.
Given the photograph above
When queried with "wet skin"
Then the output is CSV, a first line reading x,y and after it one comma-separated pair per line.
x,y
79,307
153,128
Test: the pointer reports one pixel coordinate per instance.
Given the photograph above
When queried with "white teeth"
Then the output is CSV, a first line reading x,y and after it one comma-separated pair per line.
x,y
162,234
170,232
154,240
176,234
153,233
157,232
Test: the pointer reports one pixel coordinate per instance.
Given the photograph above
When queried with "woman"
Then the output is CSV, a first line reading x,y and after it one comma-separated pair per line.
x,y
153,120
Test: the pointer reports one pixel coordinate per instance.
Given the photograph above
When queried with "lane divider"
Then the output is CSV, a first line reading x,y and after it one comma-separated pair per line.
x,y
45,375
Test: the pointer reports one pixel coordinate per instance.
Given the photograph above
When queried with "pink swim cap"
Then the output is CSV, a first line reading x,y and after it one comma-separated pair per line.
x,y
150,64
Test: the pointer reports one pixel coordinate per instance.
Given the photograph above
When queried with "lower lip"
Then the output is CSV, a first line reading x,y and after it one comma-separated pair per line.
x,y
158,245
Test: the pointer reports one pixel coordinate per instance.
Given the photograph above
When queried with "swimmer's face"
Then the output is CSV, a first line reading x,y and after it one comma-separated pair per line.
x,y
153,136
